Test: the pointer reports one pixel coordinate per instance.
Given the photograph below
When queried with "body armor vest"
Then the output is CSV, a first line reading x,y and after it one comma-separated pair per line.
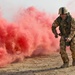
x,y
64,26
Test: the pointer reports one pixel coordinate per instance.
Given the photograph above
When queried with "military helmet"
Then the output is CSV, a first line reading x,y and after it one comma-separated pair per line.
x,y
63,10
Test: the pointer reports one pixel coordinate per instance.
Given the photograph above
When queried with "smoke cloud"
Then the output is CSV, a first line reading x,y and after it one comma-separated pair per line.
x,y
29,34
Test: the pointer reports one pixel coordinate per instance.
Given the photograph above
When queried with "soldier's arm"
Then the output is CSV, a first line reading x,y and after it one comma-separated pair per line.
x,y
72,33
54,26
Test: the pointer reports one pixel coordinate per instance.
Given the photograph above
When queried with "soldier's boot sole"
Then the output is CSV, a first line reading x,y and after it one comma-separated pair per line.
x,y
65,65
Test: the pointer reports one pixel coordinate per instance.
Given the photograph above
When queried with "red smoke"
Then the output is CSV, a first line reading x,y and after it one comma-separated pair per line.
x,y
29,34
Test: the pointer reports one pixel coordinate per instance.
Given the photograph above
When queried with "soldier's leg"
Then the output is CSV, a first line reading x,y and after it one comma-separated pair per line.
x,y
72,48
63,53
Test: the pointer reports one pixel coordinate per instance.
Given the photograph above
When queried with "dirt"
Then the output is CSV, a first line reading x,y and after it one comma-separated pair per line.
x,y
39,65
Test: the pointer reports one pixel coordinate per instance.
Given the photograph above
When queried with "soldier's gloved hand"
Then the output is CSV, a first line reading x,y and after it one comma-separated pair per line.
x,y
68,39
56,36
59,34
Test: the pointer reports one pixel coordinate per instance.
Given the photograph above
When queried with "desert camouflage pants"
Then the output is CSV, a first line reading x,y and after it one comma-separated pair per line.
x,y
63,53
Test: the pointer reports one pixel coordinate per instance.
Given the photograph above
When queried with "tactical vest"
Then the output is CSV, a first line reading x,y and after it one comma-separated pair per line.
x,y
65,30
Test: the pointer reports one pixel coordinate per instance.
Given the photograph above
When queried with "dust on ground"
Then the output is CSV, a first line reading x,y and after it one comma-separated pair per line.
x,y
39,65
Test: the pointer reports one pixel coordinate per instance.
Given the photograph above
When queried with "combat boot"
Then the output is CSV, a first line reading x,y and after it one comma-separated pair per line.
x,y
73,63
65,65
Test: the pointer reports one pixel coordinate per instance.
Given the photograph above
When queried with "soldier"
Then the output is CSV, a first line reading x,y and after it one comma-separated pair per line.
x,y
66,24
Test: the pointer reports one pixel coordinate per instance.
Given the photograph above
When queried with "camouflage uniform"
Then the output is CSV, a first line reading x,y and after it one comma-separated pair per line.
x,y
65,32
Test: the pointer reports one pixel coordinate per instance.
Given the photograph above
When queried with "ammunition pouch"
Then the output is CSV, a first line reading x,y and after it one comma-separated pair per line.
x,y
68,43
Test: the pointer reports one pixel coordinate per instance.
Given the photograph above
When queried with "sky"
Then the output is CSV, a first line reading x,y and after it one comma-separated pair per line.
x,y
9,7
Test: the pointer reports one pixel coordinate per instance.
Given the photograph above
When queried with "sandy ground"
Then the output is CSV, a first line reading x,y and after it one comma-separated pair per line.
x,y
39,65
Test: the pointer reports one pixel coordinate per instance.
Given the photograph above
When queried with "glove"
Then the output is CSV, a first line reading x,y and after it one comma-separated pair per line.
x,y
56,36
68,39
59,34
